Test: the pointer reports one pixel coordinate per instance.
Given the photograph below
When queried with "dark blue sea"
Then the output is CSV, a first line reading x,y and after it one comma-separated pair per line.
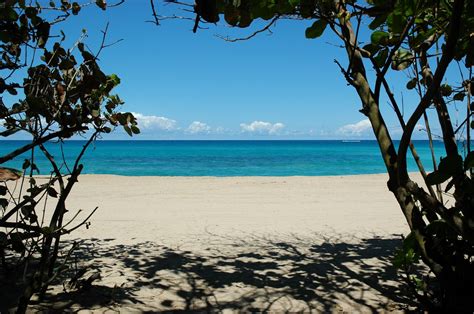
x,y
222,158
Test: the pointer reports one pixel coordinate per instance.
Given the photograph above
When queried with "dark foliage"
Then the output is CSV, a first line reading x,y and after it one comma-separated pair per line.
x,y
50,93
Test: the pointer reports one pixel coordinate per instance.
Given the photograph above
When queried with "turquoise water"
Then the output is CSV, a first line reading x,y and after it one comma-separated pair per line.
x,y
224,158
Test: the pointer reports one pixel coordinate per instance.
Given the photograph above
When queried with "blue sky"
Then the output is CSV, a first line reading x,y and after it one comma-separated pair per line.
x,y
197,86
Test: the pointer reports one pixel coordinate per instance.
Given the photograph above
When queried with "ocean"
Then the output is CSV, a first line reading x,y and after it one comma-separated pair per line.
x,y
223,158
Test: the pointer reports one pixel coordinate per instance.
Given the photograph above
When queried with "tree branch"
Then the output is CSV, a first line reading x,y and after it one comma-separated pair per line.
x,y
433,89
266,28
39,141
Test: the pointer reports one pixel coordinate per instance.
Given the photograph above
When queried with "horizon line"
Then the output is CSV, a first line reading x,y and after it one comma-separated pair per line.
x,y
224,140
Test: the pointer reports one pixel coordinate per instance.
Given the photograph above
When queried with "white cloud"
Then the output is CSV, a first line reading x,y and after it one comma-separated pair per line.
x,y
364,128
261,127
398,130
198,127
155,122
356,129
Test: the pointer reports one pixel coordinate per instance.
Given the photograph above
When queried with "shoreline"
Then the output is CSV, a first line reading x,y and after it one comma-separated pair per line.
x,y
411,173
237,176
416,176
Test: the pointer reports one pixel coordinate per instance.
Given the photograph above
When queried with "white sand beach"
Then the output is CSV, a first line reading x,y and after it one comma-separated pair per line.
x,y
176,210
239,243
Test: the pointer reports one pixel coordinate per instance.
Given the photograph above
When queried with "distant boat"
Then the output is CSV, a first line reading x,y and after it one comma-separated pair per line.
x,y
351,141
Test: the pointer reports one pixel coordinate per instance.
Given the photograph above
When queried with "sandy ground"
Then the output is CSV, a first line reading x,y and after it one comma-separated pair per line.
x,y
178,210
237,243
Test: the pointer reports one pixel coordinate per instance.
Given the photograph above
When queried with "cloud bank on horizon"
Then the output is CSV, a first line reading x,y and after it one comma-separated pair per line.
x,y
152,125
160,127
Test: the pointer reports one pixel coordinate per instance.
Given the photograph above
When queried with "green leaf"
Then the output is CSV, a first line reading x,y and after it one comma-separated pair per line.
x,y
245,19
294,3
396,23
101,4
436,178
411,83
307,8
440,228
470,52
12,91
408,254
3,239
17,243
379,38
128,130
114,79
3,203
27,210
42,33
31,12
35,168
448,167
135,129
379,20
207,10
446,90
459,96
469,161
316,30
47,230
26,164
437,226
371,48
8,14
75,8
52,192
66,64
401,59
231,15
416,41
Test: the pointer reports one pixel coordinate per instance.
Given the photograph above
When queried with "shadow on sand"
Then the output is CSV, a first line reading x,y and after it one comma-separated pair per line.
x,y
255,274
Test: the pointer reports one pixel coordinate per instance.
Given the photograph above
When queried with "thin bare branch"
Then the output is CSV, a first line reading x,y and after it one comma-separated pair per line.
x,y
153,10
264,29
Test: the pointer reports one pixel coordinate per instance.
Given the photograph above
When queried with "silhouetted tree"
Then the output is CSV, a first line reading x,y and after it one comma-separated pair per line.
x,y
62,93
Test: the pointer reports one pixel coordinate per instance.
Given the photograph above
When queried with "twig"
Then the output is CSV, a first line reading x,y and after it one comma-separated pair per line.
x,y
462,123
266,28
157,21
345,73
390,57
39,141
82,223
